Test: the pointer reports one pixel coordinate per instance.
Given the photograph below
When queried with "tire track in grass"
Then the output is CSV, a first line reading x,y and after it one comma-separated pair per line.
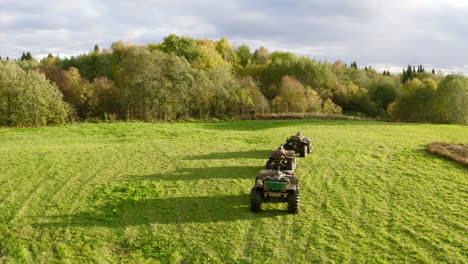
x,y
67,185
8,163
101,174
313,243
34,184
250,239
294,249
22,199
41,204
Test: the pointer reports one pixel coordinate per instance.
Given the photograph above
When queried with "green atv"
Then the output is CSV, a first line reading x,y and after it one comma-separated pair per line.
x,y
275,186
281,159
300,144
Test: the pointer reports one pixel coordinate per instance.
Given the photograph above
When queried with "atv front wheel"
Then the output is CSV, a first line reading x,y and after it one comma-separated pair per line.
x,y
256,199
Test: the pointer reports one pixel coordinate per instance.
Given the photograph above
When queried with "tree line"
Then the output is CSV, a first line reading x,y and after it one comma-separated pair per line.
x,y
183,78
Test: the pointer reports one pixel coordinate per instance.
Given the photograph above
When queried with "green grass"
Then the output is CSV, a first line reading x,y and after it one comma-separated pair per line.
x,y
179,193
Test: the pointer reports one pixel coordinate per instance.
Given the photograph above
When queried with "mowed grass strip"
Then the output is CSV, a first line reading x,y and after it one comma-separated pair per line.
x,y
179,193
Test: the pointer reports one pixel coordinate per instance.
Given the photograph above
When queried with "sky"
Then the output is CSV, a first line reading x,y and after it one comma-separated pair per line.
x,y
380,33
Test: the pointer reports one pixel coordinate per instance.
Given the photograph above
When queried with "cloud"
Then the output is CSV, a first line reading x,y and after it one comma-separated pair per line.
x,y
397,32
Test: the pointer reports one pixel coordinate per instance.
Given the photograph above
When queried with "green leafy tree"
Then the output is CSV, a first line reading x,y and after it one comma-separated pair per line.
x,y
383,91
452,100
415,102
181,46
251,100
154,85
224,48
281,57
243,52
208,58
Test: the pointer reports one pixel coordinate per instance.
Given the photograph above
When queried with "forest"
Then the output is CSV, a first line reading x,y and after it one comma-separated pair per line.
x,y
183,78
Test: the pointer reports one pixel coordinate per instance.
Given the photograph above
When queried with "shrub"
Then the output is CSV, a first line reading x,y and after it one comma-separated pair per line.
x,y
27,98
330,108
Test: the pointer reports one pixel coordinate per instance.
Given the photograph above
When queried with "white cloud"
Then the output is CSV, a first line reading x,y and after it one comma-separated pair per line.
x,y
392,33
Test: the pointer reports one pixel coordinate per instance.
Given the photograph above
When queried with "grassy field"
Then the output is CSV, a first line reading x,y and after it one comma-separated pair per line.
x,y
179,193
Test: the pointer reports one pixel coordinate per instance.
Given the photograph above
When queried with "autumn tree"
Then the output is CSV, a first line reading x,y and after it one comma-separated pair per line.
x,y
293,97
261,56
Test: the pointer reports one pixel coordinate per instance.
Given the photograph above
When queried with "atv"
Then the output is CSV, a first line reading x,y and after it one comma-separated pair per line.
x,y
281,159
300,144
275,186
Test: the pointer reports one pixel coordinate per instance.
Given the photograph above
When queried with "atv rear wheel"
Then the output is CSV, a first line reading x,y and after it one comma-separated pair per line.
x,y
256,199
304,150
293,202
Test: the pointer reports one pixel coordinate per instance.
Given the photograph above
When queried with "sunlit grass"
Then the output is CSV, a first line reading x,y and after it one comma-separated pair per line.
x,y
178,192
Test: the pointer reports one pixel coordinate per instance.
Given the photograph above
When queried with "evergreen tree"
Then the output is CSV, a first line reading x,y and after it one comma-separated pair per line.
x,y
433,71
96,48
409,73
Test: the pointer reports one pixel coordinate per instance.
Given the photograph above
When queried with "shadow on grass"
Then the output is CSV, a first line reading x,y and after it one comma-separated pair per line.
x,y
205,209
253,154
194,174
